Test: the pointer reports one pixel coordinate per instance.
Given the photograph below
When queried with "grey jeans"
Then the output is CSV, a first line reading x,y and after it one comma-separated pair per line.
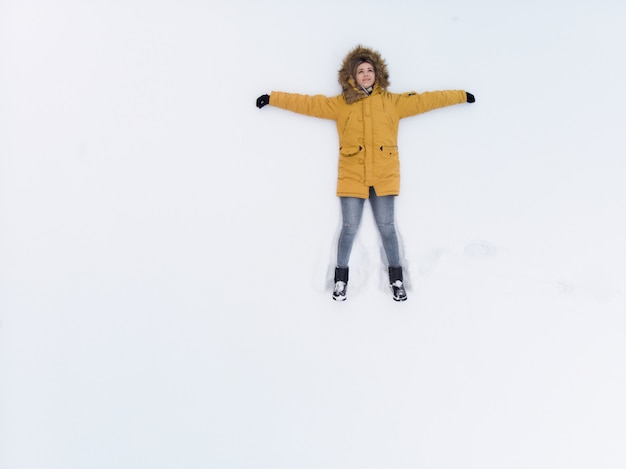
x,y
352,211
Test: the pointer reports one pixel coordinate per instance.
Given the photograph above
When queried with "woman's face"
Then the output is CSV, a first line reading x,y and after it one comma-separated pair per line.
x,y
365,75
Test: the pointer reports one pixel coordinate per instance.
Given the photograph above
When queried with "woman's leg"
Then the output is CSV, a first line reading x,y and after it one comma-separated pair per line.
x,y
351,211
383,208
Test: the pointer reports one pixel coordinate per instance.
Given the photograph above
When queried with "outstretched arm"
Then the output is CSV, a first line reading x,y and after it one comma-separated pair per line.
x,y
315,106
410,104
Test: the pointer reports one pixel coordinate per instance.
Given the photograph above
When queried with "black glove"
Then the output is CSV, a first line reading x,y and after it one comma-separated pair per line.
x,y
470,97
262,100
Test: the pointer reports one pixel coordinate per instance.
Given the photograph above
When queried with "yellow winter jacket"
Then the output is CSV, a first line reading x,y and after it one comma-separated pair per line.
x,y
368,132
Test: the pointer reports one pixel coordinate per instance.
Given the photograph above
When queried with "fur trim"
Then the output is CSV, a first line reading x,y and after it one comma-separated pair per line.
x,y
356,56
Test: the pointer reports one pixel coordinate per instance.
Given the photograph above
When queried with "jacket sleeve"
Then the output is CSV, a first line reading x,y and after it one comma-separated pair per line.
x,y
315,106
410,104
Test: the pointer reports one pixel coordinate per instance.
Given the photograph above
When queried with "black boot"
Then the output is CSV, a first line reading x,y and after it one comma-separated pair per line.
x,y
395,282
341,283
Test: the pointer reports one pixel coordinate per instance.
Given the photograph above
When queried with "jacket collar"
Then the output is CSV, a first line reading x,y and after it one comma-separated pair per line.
x,y
356,93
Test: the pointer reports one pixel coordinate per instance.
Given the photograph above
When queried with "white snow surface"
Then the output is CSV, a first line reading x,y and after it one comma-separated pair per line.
x,y
165,246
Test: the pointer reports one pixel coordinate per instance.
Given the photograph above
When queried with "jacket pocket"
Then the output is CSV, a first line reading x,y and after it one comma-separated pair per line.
x,y
350,150
387,163
389,151
351,163
346,125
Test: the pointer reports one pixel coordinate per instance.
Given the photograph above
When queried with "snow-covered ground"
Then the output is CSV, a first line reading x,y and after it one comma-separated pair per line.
x,y
165,245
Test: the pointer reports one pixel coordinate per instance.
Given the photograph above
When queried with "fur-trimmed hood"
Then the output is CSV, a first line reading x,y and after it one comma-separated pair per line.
x,y
351,91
